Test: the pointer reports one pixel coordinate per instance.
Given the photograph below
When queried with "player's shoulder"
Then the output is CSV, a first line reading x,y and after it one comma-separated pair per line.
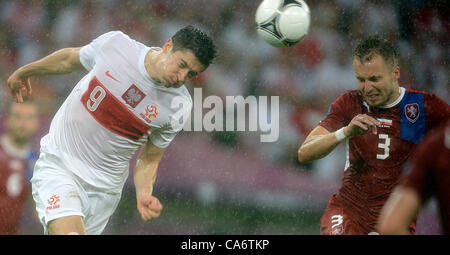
x,y
430,99
352,93
116,37
414,91
115,33
118,46
183,94
350,96
425,94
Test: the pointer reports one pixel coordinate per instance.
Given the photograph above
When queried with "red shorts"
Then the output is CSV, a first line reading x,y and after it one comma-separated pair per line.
x,y
340,220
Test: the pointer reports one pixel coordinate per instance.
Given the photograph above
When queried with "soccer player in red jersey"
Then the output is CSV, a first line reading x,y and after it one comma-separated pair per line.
x,y
16,160
381,123
430,175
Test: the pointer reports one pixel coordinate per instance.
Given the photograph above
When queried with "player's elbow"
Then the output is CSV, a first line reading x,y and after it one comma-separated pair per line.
x,y
69,60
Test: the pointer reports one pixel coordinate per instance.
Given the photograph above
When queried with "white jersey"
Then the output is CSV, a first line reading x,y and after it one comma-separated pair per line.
x,y
113,111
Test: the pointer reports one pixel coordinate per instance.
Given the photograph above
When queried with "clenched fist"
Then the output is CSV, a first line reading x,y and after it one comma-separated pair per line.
x,y
148,206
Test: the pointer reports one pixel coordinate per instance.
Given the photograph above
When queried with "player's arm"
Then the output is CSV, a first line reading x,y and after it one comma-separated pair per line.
x,y
144,178
320,142
59,62
399,211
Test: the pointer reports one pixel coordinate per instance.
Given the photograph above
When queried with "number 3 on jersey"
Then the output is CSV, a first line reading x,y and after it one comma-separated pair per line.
x,y
384,143
95,98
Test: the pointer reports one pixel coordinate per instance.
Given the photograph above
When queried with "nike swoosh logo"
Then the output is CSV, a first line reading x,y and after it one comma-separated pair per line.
x,y
110,76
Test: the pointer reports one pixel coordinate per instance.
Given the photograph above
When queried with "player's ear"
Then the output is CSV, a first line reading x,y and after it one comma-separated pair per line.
x,y
396,72
168,45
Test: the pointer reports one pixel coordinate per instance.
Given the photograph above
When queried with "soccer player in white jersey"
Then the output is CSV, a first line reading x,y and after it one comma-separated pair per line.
x,y
132,97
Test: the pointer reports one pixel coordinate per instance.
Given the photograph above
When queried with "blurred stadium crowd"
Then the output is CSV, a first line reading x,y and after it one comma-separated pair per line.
x,y
306,77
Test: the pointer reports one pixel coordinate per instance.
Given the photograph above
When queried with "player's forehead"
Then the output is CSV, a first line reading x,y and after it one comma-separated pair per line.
x,y
375,65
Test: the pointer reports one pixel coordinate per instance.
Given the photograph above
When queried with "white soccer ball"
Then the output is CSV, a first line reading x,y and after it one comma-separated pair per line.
x,y
282,23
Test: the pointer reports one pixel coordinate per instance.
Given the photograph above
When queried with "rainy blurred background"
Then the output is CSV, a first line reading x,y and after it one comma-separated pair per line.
x,y
230,182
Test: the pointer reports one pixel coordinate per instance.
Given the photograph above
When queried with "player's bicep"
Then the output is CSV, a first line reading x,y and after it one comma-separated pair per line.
x,y
317,131
151,153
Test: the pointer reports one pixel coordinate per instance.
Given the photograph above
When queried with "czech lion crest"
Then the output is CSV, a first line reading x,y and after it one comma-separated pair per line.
x,y
412,112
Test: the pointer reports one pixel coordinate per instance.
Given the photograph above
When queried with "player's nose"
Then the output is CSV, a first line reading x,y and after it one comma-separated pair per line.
x,y
368,86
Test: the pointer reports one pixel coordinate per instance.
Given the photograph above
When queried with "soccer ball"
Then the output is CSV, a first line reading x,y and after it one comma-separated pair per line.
x,y
282,23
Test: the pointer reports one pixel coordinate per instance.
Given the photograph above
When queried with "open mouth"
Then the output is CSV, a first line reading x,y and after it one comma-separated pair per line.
x,y
372,97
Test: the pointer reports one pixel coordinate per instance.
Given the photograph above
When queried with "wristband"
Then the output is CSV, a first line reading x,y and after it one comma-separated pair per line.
x,y
340,134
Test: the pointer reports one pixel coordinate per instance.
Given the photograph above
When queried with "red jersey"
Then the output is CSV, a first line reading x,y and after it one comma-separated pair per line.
x,y
14,186
430,174
374,161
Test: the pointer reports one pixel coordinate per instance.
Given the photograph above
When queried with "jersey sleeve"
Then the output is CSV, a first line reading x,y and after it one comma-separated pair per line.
x,y
437,111
163,136
90,52
338,114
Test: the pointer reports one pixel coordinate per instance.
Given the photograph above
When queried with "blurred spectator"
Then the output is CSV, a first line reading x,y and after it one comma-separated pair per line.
x,y
16,163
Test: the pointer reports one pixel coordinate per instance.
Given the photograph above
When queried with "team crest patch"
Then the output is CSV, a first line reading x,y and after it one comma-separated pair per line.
x,y
53,202
412,112
339,230
150,112
133,96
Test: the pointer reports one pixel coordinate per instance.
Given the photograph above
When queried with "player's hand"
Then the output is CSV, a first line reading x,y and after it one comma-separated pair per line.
x,y
148,206
19,86
361,124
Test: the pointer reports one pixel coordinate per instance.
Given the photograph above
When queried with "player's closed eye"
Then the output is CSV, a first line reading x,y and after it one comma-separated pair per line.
x,y
372,79
192,74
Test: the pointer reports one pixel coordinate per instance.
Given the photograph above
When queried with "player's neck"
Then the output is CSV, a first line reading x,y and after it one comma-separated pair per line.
x,y
394,99
150,62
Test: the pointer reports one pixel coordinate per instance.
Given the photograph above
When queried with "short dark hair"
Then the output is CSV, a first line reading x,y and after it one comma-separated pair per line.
x,y
372,45
198,42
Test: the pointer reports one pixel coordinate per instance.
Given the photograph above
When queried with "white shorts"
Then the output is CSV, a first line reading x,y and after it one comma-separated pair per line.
x,y
57,193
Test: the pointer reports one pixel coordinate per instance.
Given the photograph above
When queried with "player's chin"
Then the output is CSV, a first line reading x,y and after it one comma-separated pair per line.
x,y
374,103
177,85
172,85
